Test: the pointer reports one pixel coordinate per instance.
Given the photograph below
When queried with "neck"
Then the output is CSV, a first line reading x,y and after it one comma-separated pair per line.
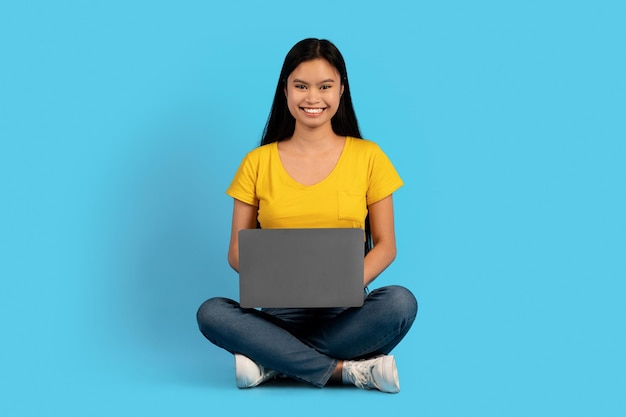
x,y
318,139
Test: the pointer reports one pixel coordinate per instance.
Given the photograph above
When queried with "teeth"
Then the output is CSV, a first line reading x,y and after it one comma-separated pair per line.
x,y
313,110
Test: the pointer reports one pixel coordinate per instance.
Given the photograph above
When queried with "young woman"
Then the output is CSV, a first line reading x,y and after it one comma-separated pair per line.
x,y
313,170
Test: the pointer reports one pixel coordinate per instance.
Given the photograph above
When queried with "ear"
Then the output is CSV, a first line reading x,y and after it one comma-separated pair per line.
x,y
341,91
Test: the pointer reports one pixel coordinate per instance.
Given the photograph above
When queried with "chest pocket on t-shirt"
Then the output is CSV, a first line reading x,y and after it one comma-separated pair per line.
x,y
352,206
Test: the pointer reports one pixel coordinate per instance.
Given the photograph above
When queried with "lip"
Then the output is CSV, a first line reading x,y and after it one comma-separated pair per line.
x,y
316,111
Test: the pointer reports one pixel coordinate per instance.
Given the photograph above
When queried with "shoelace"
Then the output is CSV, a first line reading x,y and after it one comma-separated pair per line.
x,y
361,374
269,374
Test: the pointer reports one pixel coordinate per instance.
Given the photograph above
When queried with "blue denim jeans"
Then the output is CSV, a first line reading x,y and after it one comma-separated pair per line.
x,y
307,344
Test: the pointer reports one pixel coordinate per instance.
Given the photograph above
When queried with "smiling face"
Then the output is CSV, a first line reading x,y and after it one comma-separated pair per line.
x,y
313,92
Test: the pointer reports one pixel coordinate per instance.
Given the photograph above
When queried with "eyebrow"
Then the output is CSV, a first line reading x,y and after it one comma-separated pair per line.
x,y
298,81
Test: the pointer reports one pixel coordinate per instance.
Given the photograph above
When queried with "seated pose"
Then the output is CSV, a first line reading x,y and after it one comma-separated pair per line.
x,y
314,170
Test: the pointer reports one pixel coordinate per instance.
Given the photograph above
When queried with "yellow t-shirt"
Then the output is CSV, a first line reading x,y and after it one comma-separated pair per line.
x,y
363,175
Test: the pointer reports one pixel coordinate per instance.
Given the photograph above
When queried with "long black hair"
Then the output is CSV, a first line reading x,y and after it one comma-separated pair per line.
x,y
281,124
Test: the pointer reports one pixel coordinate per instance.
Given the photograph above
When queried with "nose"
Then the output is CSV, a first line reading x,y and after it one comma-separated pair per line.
x,y
312,95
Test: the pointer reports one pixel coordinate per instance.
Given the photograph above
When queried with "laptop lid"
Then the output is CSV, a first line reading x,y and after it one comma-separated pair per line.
x,y
301,267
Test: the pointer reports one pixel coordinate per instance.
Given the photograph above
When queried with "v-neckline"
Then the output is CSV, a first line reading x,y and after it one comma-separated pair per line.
x,y
322,181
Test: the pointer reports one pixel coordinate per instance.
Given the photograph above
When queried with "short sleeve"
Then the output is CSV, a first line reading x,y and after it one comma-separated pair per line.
x,y
384,180
243,186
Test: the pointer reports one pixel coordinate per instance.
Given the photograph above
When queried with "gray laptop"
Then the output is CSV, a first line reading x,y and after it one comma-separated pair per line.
x,y
301,268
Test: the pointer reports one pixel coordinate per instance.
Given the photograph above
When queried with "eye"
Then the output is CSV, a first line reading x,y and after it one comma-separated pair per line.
x,y
326,87
300,86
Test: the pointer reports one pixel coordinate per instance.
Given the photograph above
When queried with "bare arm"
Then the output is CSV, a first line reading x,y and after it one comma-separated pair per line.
x,y
244,217
384,237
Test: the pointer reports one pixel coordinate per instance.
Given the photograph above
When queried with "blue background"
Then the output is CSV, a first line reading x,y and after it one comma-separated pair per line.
x,y
122,123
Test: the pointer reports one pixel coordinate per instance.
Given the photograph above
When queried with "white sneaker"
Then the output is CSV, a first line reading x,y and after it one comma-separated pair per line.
x,y
378,373
249,374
